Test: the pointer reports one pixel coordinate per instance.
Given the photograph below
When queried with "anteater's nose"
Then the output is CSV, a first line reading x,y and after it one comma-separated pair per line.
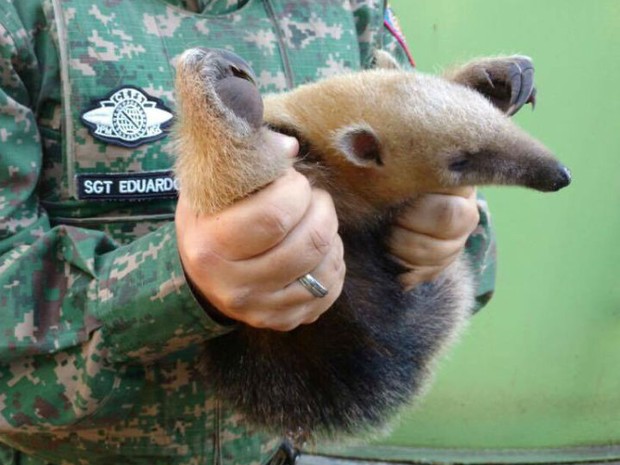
x,y
564,178
550,178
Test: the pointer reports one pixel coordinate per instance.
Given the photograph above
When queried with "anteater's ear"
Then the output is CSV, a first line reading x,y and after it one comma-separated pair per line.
x,y
360,145
385,60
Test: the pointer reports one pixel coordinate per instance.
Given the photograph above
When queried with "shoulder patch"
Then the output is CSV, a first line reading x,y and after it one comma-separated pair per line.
x,y
391,24
128,117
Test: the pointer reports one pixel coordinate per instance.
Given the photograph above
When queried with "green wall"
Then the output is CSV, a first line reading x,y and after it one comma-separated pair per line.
x,y
537,377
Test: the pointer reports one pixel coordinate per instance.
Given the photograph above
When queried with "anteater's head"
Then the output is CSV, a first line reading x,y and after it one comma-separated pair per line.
x,y
391,134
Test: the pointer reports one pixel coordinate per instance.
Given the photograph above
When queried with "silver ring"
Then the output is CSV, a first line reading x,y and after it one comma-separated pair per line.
x,y
313,285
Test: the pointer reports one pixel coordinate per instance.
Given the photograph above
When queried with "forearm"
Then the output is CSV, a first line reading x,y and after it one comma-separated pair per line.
x,y
71,282
81,310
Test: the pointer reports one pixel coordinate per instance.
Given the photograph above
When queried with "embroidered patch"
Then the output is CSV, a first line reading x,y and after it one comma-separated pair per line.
x,y
128,117
127,186
391,23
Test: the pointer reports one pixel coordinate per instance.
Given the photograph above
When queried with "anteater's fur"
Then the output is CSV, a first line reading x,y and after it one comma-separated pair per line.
x,y
375,140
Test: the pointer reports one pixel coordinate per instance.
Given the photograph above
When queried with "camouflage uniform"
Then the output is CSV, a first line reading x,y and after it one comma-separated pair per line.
x,y
98,328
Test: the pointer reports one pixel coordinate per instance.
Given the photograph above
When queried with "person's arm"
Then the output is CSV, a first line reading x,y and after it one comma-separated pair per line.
x,y
80,314
76,309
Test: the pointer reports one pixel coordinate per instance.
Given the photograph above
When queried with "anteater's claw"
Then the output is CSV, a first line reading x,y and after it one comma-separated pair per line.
x,y
521,84
508,82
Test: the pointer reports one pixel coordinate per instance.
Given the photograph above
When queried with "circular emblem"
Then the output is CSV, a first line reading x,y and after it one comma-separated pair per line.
x,y
129,120
128,117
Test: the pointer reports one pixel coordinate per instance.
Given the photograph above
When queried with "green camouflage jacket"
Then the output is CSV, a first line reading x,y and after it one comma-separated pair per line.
x,y
98,328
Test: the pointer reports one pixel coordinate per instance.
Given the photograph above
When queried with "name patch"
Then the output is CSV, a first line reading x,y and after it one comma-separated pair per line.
x,y
127,186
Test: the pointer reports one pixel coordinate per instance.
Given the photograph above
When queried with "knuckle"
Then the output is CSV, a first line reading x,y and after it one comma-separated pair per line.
x,y
312,319
257,321
429,251
401,239
315,309
428,273
459,244
320,242
337,287
323,196
293,182
426,250
342,273
450,215
470,217
431,276
276,221
474,218
325,206
202,257
237,300
338,265
302,181
284,326
323,228
458,216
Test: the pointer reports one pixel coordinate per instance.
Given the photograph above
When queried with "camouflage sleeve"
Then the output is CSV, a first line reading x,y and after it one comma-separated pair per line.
x,y
377,27
481,249
393,40
76,309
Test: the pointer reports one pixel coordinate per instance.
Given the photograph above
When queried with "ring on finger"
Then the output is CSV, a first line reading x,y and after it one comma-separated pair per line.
x,y
313,285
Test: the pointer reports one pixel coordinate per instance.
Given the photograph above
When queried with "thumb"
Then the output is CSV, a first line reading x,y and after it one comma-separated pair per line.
x,y
466,192
287,145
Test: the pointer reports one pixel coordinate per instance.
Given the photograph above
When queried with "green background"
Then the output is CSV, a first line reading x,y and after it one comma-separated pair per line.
x,y
537,376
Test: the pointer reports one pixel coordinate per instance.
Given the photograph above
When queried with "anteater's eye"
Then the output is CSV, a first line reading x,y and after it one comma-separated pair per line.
x,y
460,164
238,72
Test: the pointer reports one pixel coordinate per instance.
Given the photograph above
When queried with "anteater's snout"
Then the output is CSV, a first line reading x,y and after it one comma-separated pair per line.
x,y
561,179
552,178
564,178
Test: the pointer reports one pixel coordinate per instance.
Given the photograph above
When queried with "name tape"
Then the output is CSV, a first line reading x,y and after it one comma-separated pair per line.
x,y
127,186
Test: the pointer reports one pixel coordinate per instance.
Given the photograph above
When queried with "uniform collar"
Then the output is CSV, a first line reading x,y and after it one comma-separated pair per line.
x,y
208,6
190,5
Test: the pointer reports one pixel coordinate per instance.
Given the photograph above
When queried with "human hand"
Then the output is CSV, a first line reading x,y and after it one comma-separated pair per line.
x,y
431,233
246,259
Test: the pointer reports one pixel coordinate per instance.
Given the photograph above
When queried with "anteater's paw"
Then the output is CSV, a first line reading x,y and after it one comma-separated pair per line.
x,y
508,82
227,83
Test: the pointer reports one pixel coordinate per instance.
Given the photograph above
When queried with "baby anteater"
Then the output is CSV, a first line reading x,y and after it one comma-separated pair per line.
x,y
375,140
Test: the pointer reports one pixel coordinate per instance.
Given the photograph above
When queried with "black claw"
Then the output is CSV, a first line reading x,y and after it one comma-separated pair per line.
x,y
236,65
526,82
515,92
489,80
242,74
532,98
235,84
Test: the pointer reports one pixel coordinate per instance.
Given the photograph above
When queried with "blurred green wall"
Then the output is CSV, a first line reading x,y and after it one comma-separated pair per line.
x,y
537,377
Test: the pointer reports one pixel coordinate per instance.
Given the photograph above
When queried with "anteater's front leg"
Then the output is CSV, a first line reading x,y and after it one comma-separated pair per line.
x,y
508,82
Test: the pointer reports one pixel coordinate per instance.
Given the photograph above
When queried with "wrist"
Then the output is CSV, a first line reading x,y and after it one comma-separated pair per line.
x,y
211,311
